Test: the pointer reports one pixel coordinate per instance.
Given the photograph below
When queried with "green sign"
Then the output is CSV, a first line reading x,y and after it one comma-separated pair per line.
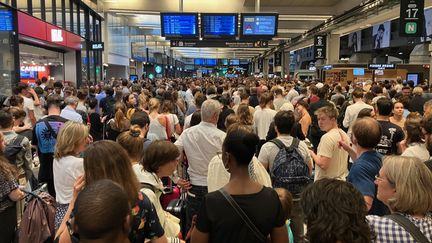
x,y
411,28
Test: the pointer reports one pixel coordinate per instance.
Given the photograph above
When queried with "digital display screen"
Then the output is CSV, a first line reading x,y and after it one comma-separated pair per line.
x,y
216,26
224,62
6,20
259,25
28,75
358,71
179,25
413,77
234,62
199,61
211,62
133,78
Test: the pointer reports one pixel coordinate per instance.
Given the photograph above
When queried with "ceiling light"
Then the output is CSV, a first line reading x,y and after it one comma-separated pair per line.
x,y
400,53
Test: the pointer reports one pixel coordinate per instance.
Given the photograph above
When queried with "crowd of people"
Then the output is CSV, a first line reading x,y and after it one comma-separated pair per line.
x,y
249,160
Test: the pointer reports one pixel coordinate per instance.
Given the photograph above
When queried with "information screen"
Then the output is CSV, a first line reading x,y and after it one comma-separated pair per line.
x,y
358,71
6,20
259,25
199,61
211,62
219,25
179,25
234,62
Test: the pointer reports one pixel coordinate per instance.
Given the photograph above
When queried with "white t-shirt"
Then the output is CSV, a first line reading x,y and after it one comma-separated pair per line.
x,y
262,119
66,170
417,150
329,147
28,106
269,151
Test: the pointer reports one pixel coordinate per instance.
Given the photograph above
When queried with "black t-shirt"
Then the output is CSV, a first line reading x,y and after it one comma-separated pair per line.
x,y
218,218
96,126
391,135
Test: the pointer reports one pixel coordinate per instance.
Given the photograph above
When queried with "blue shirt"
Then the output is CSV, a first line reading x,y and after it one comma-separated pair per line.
x,y
362,176
71,115
99,97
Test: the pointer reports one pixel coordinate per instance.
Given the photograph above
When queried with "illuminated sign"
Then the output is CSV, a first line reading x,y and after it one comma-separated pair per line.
x,y
378,66
97,46
33,69
158,69
57,35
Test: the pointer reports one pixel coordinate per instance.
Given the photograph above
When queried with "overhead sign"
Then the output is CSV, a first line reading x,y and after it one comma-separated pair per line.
x,y
97,46
320,47
6,20
411,22
381,66
278,58
220,44
56,35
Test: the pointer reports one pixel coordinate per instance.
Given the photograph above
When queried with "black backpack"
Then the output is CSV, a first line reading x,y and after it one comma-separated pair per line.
x,y
289,169
13,149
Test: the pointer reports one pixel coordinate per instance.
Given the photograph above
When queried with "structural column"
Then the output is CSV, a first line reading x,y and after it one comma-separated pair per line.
x,y
333,48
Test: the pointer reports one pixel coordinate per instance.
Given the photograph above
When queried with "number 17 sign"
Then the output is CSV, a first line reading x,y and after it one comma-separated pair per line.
x,y
411,22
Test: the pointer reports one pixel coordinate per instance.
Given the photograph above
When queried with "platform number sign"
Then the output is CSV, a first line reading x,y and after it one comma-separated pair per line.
x,y
411,18
320,46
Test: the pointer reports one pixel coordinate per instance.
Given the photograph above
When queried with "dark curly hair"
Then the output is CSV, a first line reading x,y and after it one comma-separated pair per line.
x,y
335,211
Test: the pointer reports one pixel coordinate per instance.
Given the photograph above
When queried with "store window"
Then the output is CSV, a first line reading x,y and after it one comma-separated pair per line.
x,y
49,11
91,25
37,9
68,15
59,13
22,5
82,23
75,18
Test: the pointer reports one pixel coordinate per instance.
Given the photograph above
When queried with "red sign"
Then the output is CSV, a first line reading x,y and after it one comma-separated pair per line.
x,y
38,29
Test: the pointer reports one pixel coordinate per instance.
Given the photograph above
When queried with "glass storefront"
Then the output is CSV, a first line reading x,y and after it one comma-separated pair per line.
x,y
71,15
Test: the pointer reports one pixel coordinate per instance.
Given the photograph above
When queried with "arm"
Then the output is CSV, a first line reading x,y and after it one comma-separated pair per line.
x,y
368,201
322,161
35,97
279,235
32,117
62,233
200,237
349,149
178,129
347,119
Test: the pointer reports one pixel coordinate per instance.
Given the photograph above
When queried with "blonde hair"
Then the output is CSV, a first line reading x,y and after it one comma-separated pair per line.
x,y
71,135
143,100
412,181
132,142
329,111
154,104
418,91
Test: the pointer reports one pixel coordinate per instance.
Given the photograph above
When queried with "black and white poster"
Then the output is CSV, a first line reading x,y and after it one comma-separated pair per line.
x,y
381,35
428,24
278,58
354,41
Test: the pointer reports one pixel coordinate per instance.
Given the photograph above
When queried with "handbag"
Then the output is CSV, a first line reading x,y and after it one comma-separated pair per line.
x,y
243,216
411,228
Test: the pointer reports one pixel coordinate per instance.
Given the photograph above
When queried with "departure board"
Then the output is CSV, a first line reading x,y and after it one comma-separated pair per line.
x,y
6,20
179,25
211,62
219,25
259,25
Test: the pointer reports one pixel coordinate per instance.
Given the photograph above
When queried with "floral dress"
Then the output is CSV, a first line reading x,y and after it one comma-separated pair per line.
x,y
145,222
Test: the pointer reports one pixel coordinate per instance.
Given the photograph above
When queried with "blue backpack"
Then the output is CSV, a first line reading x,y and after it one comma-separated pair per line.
x,y
289,168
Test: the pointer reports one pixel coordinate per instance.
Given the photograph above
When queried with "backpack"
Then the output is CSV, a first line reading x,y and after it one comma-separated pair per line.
x,y
13,149
37,224
289,169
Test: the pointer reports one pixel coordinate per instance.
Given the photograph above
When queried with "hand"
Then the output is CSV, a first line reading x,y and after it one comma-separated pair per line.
x,y
185,184
90,139
31,91
104,119
345,146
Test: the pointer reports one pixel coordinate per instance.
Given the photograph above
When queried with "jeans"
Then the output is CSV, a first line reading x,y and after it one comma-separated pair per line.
x,y
195,197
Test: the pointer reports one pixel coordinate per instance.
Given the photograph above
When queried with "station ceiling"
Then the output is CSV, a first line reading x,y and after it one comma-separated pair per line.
x,y
295,18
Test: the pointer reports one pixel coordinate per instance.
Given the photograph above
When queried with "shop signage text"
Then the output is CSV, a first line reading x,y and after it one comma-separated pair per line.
x,y
411,22
97,46
378,66
33,69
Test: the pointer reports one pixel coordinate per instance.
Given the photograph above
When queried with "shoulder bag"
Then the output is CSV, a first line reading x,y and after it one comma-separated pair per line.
x,y
243,216
409,226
